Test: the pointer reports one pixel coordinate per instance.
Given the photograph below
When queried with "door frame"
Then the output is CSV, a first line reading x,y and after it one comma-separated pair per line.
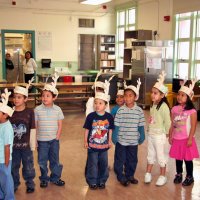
x,y
3,32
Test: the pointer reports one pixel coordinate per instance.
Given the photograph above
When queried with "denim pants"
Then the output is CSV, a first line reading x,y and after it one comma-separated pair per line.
x,y
28,172
49,151
6,182
96,171
125,161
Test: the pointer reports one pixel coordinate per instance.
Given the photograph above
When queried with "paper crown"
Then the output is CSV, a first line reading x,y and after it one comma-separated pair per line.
x,y
98,83
3,106
52,86
120,92
160,83
188,89
22,90
133,88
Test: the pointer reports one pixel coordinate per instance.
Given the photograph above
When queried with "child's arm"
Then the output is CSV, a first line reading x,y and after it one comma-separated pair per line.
x,y
86,138
110,138
142,134
7,154
193,122
59,130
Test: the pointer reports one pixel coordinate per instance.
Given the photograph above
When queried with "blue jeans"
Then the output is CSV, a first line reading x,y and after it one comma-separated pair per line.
x,y
28,172
6,182
96,171
49,151
125,161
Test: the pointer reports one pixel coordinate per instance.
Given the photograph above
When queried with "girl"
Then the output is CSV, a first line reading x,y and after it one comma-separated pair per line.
x,y
159,125
181,137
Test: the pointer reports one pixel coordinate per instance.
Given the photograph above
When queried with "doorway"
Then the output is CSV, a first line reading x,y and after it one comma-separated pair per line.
x,y
16,43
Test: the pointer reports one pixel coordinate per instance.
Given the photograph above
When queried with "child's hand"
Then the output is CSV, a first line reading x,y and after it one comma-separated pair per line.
x,y
110,144
170,140
189,142
86,145
57,137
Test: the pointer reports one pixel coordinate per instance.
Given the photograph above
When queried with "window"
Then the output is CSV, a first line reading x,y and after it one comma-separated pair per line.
x,y
125,21
187,45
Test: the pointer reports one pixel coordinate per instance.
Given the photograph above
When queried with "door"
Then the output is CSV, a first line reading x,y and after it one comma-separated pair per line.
x,y
16,43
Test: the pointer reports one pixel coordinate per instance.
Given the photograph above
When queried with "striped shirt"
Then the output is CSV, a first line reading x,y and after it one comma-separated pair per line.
x,y
128,120
47,121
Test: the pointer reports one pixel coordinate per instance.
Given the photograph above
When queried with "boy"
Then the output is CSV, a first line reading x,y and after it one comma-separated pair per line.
x,y
129,121
23,123
97,139
6,143
48,119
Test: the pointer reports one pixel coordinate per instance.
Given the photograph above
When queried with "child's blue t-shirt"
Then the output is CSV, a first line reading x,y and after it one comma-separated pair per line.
x,y
6,138
114,110
115,131
98,127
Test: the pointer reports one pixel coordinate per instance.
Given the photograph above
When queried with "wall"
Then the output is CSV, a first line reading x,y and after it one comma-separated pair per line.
x,y
63,27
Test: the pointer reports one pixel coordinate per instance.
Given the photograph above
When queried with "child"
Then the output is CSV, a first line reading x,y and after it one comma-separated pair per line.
x,y
158,130
6,143
49,125
181,138
23,123
119,102
130,122
97,139
97,87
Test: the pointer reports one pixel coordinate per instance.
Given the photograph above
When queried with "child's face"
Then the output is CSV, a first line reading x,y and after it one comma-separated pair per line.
x,y
129,98
181,98
156,95
19,100
47,98
120,100
99,105
3,117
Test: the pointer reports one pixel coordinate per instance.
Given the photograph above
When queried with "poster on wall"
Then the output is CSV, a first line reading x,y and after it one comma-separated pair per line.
x,y
45,40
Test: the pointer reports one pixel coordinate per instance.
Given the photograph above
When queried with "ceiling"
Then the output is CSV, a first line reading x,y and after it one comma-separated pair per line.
x,y
59,5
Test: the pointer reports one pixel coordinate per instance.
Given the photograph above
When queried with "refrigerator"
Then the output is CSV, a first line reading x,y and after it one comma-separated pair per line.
x,y
149,58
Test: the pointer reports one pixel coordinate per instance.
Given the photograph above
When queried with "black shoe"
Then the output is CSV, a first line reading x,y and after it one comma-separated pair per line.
x,y
101,186
59,182
125,183
30,190
188,181
15,190
133,181
43,184
93,186
178,178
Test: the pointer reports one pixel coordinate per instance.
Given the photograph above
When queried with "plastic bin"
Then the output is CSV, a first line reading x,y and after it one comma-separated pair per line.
x,y
68,79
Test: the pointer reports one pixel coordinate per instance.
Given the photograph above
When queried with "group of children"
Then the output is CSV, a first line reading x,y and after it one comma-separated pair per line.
x,y
125,127
18,129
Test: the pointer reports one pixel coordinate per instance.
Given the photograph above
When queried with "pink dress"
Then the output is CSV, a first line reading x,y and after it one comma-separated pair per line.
x,y
180,132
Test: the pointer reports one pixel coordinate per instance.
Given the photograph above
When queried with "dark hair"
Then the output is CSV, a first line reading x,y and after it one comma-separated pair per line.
x,y
128,89
188,105
29,53
53,95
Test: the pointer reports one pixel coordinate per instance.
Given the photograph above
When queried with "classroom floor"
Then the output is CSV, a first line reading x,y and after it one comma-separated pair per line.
x,y
73,157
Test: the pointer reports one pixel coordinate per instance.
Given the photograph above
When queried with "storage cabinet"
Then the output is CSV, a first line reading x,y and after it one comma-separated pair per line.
x,y
106,52
129,37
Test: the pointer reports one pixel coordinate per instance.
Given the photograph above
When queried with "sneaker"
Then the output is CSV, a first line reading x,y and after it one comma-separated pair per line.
x,y
147,178
43,184
59,182
101,186
178,178
30,190
188,181
93,186
161,180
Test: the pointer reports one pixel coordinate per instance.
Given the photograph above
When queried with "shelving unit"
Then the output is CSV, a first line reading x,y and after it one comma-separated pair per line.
x,y
129,37
106,52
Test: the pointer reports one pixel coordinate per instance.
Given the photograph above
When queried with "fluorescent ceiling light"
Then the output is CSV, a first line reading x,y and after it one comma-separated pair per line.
x,y
94,2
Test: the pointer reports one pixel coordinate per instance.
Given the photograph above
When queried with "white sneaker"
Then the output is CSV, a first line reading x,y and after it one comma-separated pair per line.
x,y
161,180
147,178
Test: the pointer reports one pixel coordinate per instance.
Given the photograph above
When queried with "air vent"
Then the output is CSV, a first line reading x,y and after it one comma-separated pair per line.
x,y
86,23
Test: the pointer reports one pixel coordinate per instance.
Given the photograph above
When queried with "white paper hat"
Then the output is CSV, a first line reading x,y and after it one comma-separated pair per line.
x,y
135,89
22,90
3,106
98,83
52,86
160,83
188,90
120,92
